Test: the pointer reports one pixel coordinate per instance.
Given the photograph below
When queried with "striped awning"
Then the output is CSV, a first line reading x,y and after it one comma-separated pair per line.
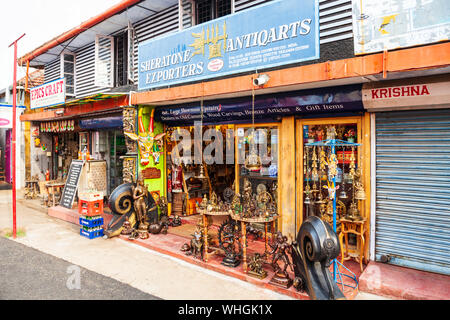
x,y
89,99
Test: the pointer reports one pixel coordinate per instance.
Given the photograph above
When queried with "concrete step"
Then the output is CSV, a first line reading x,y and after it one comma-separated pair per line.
x,y
403,283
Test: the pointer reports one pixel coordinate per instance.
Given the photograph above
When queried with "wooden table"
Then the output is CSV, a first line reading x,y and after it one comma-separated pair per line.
x,y
205,215
356,227
53,186
244,222
33,186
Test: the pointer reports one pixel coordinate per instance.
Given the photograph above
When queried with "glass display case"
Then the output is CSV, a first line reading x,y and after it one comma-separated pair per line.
x,y
257,161
317,161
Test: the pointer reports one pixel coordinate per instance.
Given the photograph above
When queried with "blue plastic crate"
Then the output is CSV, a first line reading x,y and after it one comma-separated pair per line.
x,y
91,234
91,223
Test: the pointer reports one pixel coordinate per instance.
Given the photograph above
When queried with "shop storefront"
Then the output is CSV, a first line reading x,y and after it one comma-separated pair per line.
x,y
242,161
279,127
89,129
411,121
6,121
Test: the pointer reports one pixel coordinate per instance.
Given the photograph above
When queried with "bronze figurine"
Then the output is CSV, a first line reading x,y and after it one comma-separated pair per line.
x,y
256,266
281,250
140,195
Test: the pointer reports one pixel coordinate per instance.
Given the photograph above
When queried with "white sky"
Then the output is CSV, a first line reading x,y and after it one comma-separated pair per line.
x,y
40,20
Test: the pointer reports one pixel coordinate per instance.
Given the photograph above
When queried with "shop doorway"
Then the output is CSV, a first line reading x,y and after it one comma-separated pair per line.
x,y
117,149
7,155
188,182
313,189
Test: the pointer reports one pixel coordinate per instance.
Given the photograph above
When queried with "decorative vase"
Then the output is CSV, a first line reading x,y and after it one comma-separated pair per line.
x,y
351,140
311,140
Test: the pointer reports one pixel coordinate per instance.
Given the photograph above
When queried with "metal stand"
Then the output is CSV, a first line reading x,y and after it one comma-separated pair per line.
x,y
333,143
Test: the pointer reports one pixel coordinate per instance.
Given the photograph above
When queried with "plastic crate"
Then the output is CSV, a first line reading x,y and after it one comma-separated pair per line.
x,y
91,223
90,196
91,234
90,208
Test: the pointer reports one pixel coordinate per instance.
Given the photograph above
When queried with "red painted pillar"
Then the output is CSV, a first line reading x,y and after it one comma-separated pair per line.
x,y
14,138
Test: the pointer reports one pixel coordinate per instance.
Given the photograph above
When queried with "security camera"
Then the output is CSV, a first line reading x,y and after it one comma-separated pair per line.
x,y
261,80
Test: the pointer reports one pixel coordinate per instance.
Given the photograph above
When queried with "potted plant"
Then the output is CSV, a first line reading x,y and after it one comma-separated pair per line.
x,y
350,135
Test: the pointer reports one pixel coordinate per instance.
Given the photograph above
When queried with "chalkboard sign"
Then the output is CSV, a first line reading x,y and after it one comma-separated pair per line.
x,y
70,189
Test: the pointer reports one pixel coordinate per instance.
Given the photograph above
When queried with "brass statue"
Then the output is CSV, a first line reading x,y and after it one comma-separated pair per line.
x,y
280,251
256,266
196,247
140,195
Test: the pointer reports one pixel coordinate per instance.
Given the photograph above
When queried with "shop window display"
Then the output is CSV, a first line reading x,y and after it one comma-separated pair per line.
x,y
257,155
319,163
189,181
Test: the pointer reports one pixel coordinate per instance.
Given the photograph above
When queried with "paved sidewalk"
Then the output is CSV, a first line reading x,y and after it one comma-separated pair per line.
x,y
29,274
149,271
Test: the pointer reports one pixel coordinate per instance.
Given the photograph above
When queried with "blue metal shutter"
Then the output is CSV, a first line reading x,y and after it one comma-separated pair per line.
x,y
413,189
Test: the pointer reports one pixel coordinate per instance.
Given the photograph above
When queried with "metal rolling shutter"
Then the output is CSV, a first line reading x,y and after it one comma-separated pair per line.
x,y
413,189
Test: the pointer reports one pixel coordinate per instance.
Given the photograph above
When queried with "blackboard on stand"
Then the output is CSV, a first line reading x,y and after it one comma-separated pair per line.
x,y
71,186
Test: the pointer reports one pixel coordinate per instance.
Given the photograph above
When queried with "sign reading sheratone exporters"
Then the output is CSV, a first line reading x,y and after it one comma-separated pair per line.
x,y
380,25
277,33
48,94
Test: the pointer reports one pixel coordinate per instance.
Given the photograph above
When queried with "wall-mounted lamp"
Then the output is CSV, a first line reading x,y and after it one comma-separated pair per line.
x,y
59,112
261,80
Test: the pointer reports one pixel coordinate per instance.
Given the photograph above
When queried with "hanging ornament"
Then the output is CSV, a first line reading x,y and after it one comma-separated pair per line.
x,y
360,193
352,164
253,161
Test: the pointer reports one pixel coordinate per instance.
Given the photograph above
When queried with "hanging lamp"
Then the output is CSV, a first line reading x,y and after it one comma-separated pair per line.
x,y
202,169
253,161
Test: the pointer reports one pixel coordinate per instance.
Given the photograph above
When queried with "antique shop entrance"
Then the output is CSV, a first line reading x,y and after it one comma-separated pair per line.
x,y
314,191
188,184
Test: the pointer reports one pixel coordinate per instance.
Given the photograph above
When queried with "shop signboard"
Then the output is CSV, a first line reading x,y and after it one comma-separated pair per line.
x,y
71,186
250,40
48,94
6,115
390,24
406,95
267,108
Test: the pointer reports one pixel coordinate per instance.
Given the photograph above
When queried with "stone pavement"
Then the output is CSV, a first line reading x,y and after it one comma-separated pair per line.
x,y
149,271
29,274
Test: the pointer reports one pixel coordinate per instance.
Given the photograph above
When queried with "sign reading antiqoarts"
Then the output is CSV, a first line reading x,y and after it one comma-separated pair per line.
x,y
273,34
389,24
48,94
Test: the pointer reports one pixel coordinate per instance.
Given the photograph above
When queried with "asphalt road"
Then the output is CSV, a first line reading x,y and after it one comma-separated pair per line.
x,y
26,273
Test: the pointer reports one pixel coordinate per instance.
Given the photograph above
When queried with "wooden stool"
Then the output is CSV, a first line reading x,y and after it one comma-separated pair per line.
x,y
356,228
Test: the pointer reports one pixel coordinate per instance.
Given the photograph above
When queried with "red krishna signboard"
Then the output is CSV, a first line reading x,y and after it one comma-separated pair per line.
x,y
48,94
406,96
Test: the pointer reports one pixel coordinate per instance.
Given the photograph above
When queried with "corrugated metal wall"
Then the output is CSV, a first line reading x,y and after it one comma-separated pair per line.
x,y
52,70
335,17
413,189
335,24
161,23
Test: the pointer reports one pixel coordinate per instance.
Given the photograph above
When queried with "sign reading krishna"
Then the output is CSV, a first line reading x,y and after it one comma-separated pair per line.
x,y
278,33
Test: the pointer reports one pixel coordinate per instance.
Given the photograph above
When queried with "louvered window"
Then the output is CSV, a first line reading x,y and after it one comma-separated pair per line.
x,y
68,72
104,61
121,59
206,10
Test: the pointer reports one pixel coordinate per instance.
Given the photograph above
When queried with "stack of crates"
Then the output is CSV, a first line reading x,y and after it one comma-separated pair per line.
x,y
90,207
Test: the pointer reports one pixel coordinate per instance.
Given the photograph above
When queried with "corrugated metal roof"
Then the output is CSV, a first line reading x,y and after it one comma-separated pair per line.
x,y
117,21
